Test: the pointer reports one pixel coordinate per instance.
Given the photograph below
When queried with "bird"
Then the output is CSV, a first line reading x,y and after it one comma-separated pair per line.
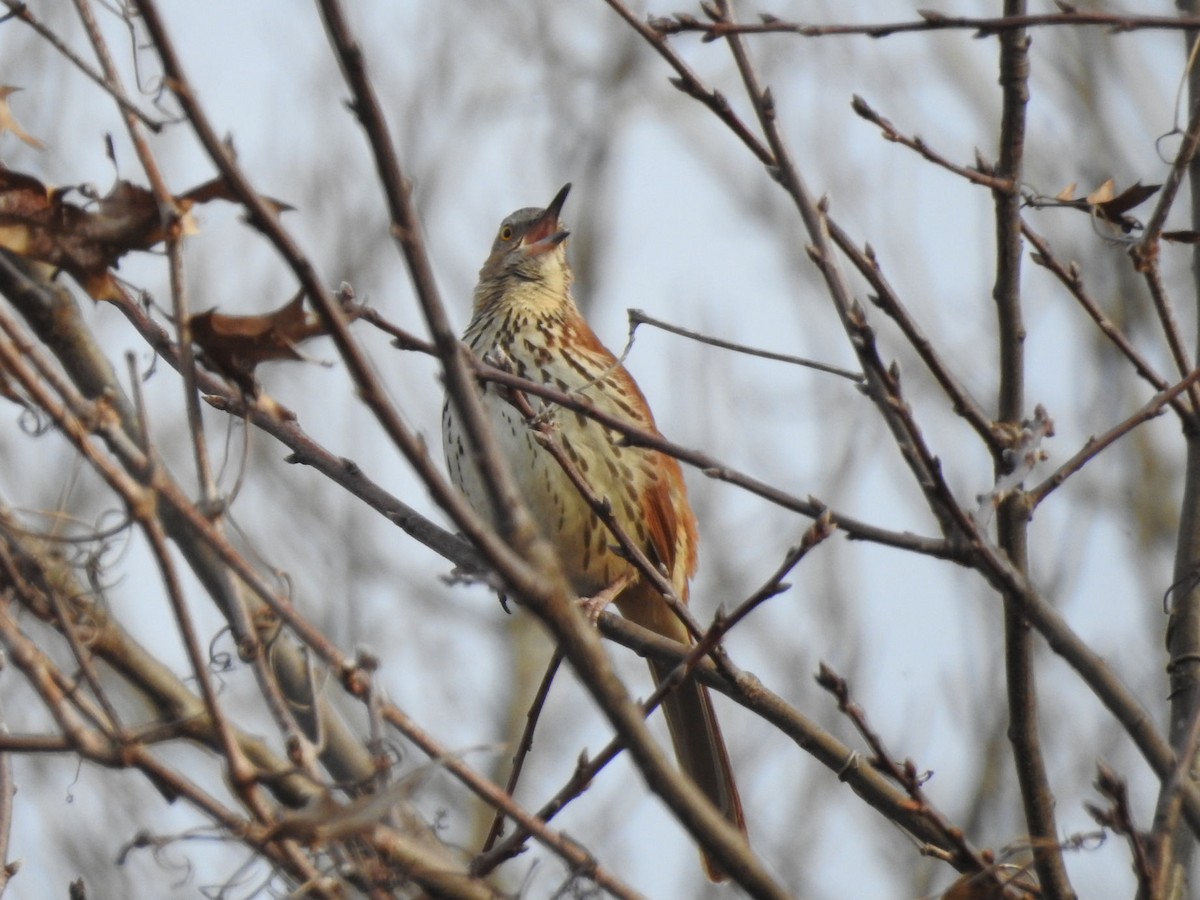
x,y
524,316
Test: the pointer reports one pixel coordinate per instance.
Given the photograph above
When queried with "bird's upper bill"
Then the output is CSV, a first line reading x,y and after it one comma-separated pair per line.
x,y
545,233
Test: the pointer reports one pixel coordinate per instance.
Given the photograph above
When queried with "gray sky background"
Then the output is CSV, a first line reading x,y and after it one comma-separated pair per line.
x,y
494,106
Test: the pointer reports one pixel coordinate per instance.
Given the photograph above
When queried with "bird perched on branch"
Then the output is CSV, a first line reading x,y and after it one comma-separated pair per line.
x,y
524,315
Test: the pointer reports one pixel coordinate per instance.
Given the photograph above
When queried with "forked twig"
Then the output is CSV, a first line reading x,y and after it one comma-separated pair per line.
x,y
524,746
903,773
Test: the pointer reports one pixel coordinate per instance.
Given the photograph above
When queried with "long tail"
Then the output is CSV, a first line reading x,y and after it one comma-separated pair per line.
x,y
701,752
695,734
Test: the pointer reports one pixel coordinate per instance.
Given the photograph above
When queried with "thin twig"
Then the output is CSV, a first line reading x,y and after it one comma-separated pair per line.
x,y
1147,247
19,10
637,317
1165,310
689,83
1119,817
83,655
1170,808
523,747
691,660
8,790
904,773
1093,446
570,851
1072,280
886,299
929,21
890,132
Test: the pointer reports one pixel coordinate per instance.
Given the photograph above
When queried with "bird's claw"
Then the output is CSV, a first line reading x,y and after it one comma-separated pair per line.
x,y
594,605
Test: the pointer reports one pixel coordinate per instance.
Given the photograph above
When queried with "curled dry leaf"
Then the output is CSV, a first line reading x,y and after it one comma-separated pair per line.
x,y
8,121
219,189
1114,209
1006,883
1107,204
1104,193
234,345
1067,193
88,241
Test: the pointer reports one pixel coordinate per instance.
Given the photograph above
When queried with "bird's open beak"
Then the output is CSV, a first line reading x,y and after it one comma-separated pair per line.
x,y
546,234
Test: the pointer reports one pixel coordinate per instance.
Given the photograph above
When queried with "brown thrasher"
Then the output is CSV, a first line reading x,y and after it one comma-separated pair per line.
x,y
524,314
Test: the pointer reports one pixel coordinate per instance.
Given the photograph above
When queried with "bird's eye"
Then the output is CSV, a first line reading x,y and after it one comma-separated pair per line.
x,y
506,233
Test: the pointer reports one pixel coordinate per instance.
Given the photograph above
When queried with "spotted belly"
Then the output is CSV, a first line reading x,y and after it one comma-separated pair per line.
x,y
582,542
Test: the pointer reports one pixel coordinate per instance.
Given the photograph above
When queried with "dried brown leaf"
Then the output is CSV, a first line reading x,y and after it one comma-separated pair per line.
x,y
88,241
219,189
1009,885
1067,193
8,121
1115,208
1105,203
235,345
1103,194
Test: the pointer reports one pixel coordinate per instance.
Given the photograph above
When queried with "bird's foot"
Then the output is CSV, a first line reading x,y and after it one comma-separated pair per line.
x,y
499,357
594,605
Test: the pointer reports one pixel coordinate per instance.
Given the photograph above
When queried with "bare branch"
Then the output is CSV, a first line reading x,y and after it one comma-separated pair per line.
x,y
930,20
1096,445
637,317
1072,280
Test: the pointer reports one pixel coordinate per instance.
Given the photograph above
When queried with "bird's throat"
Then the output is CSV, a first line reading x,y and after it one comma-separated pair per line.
x,y
514,301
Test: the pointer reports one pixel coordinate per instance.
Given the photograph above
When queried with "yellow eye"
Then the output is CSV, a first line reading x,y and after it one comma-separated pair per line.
x,y
506,233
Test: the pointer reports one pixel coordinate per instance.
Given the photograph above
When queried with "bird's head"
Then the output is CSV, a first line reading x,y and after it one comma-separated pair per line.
x,y
530,246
